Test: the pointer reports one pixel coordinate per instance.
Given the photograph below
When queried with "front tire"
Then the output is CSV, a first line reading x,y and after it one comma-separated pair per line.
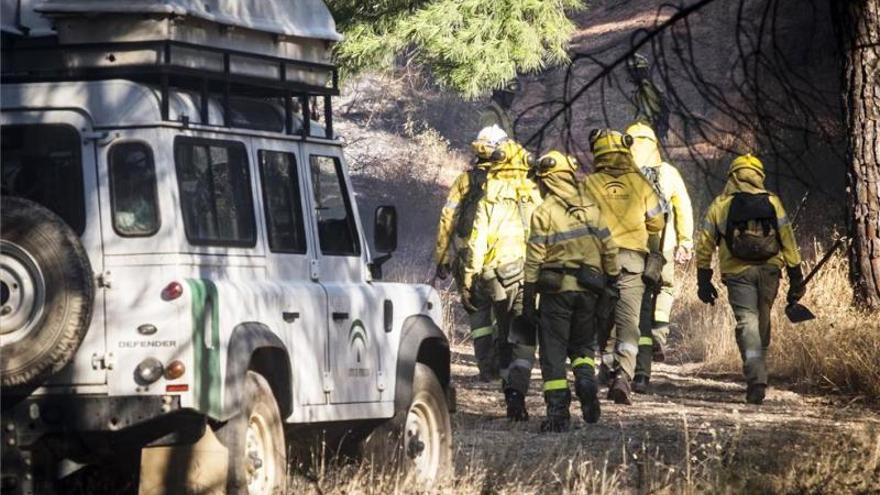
x,y
255,440
419,442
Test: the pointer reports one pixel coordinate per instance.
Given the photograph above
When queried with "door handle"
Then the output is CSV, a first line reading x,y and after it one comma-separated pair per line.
x,y
290,316
340,316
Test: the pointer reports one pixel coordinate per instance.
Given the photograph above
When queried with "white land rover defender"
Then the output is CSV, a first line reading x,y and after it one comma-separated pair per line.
x,y
183,268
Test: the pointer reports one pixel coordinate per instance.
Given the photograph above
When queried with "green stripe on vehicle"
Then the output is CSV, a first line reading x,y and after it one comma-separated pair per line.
x,y
206,347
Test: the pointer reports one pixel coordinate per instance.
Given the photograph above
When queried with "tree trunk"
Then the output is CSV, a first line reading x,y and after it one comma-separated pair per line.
x,y
859,28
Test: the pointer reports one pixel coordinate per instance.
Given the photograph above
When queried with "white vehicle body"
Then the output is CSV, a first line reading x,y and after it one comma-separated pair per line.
x,y
340,328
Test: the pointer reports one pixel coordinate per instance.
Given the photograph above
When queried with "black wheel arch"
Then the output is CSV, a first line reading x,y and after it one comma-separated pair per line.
x,y
253,346
421,341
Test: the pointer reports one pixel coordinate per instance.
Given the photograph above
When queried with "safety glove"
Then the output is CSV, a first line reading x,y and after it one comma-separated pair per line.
x,y
442,272
796,286
530,303
705,290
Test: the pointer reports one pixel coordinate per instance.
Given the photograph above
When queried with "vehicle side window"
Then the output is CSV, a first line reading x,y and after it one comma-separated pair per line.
x,y
215,192
133,195
337,233
43,163
282,201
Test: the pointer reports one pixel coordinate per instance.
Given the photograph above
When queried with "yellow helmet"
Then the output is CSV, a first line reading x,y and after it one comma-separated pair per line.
x,y
640,130
604,141
555,162
509,155
747,161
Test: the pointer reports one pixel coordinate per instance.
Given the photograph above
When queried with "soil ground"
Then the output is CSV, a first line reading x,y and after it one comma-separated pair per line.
x,y
688,417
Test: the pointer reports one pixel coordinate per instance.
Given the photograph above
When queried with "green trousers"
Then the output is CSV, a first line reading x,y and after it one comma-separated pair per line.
x,y
628,310
482,324
483,334
751,295
645,356
665,299
516,339
567,330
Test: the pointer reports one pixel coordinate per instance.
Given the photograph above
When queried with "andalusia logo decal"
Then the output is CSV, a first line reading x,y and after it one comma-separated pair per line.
x,y
357,348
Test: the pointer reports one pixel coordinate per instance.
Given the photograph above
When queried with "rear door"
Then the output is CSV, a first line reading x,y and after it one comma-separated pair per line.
x,y
355,338
49,157
301,302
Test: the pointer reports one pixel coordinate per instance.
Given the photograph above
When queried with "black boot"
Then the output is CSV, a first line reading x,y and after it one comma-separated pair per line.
x,y
588,393
619,390
516,405
558,418
640,384
755,393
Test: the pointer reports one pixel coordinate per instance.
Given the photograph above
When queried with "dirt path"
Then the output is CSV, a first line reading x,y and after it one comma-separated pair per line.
x,y
705,413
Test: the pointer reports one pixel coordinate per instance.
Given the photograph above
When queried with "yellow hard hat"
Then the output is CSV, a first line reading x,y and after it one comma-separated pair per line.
x,y
509,155
604,141
555,162
640,130
747,161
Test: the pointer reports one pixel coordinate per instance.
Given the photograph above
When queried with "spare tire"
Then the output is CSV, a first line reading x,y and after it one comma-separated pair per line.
x,y
46,292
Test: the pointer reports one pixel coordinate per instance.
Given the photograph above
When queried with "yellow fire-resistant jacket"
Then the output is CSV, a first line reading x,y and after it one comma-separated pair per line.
x,y
501,224
715,225
446,227
679,229
567,234
627,200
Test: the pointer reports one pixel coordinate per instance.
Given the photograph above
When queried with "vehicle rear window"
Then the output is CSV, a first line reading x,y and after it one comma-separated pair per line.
x,y
215,192
43,163
133,190
282,201
336,228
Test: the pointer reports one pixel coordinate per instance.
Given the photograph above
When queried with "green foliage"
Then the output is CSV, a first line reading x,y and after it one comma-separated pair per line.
x,y
470,46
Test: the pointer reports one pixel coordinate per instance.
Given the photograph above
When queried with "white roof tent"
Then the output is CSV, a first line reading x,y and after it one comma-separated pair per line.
x,y
251,48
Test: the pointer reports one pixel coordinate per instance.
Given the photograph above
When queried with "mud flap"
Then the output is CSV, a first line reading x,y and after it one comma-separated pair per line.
x,y
199,468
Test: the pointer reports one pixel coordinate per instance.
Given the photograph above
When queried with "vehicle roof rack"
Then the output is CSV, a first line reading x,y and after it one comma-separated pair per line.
x,y
206,70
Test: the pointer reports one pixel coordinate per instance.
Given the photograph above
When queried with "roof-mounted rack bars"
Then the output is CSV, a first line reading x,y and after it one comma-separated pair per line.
x,y
40,62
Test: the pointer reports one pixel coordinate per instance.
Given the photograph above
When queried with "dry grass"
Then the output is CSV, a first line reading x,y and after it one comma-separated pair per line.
x,y
717,461
839,350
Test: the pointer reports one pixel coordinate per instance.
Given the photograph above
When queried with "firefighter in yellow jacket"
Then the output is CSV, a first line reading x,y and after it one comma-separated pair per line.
x,y
755,242
635,217
677,243
495,262
456,224
570,260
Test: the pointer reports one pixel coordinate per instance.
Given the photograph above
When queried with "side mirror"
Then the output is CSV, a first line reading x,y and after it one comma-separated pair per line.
x,y
385,231
384,238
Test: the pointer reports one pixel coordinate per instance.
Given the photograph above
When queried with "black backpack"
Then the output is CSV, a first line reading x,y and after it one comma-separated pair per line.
x,y
752,232
467,210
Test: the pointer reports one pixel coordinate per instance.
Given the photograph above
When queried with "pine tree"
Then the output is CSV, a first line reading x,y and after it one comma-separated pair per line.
x,y
470,46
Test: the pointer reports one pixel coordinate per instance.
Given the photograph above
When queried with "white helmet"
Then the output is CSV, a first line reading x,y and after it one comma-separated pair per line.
x,y
492,135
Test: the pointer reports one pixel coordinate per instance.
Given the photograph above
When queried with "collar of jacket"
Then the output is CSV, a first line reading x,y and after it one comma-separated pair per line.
x,y
561,185
616,164
744,181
